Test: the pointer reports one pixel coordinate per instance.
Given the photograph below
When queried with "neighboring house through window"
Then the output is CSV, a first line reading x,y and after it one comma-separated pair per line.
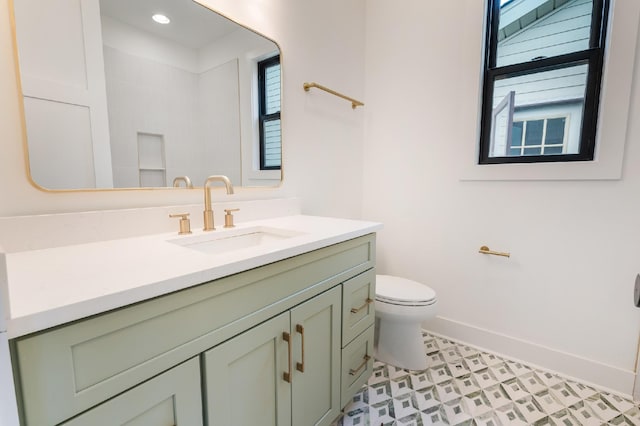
x,y
544,136
543,70
269,113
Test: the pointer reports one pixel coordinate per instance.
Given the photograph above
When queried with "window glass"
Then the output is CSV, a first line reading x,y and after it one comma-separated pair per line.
x,y
272,89
532,151
269,79
555,94
555,131
533,135
545,87
516,133
272,151
543,69
540,137
532,29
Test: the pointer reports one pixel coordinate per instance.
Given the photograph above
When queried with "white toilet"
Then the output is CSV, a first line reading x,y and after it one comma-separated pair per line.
x,y
401,306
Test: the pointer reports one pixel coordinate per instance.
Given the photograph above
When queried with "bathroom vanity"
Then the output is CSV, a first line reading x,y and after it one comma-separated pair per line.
x,y
273,332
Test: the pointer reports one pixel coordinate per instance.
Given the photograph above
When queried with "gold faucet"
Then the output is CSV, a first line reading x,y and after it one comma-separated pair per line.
x,y
185,179
208,212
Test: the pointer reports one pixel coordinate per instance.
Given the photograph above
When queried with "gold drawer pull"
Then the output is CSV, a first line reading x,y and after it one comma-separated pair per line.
x,y
366,359
366,303
287,375
300,365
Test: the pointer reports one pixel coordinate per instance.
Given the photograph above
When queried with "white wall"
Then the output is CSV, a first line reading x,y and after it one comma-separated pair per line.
x,y
564,298
219,122
146,96
318,130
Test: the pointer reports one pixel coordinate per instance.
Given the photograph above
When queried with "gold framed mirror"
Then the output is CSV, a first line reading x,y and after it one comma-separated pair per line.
x,y
115,100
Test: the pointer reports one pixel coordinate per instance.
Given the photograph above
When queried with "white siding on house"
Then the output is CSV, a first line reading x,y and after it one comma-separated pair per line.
x,y
543,87
565,30
517,14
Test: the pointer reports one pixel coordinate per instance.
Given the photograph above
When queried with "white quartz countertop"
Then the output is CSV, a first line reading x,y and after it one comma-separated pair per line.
x,y
52,286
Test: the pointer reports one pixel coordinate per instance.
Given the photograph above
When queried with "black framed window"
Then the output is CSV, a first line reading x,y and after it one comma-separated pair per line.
x,y
542,76
269,114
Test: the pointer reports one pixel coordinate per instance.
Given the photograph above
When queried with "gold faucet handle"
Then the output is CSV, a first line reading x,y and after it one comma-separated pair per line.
x,y
185,223
228,218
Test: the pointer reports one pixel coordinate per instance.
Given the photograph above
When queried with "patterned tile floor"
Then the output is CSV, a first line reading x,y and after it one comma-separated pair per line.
x,y
465,386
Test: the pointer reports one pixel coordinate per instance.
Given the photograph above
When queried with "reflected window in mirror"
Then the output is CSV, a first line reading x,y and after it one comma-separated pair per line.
x,y
269,118
542,77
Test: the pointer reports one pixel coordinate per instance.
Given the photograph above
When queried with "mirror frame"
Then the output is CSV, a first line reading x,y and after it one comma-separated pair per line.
x,y
23,123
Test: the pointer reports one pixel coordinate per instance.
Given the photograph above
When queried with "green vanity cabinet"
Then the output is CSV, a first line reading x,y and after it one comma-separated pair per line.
x,y
87,369
283,372
358,318
172,398
315,374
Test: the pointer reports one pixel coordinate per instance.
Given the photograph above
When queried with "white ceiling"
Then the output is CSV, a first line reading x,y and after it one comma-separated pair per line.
x,y
192,25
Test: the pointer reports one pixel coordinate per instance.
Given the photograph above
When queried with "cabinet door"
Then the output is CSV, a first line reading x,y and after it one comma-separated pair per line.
x,y
244,379
316,328
171,399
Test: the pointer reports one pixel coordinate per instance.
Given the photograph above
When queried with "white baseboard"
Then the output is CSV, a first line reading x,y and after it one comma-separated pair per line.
x,y
571,366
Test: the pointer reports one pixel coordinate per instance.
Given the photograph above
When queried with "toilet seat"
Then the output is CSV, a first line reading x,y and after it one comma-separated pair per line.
x,y
403,292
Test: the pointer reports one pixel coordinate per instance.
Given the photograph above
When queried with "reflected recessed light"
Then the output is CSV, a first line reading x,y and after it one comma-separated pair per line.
x,y
160,19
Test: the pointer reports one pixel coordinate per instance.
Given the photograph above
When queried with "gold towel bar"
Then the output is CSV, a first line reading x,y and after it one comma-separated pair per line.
x,y
486,250
354,103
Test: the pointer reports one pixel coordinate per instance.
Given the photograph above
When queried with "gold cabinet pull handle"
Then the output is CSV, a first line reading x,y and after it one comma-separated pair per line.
x,y
487,250
287,374
353,372
300,365
366,303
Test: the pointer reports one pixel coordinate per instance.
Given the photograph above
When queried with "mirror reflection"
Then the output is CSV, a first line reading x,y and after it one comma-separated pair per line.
x,y
125,94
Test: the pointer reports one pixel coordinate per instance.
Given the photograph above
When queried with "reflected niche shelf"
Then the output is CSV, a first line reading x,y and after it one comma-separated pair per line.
x,y
152,167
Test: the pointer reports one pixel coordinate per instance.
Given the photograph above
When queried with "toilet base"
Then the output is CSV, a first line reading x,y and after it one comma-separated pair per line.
x,y
400,344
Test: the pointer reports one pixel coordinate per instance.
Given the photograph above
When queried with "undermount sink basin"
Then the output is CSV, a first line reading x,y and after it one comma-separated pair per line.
x,y
225,241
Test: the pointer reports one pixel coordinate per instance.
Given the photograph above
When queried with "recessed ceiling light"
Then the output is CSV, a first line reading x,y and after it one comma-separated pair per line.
x,y
160,18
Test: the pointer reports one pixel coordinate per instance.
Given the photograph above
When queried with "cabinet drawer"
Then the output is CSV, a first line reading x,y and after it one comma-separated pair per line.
x,y
358,307
69,369
172,398
357,364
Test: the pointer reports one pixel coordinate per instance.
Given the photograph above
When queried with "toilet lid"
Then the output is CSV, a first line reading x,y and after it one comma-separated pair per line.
x,y
401,291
